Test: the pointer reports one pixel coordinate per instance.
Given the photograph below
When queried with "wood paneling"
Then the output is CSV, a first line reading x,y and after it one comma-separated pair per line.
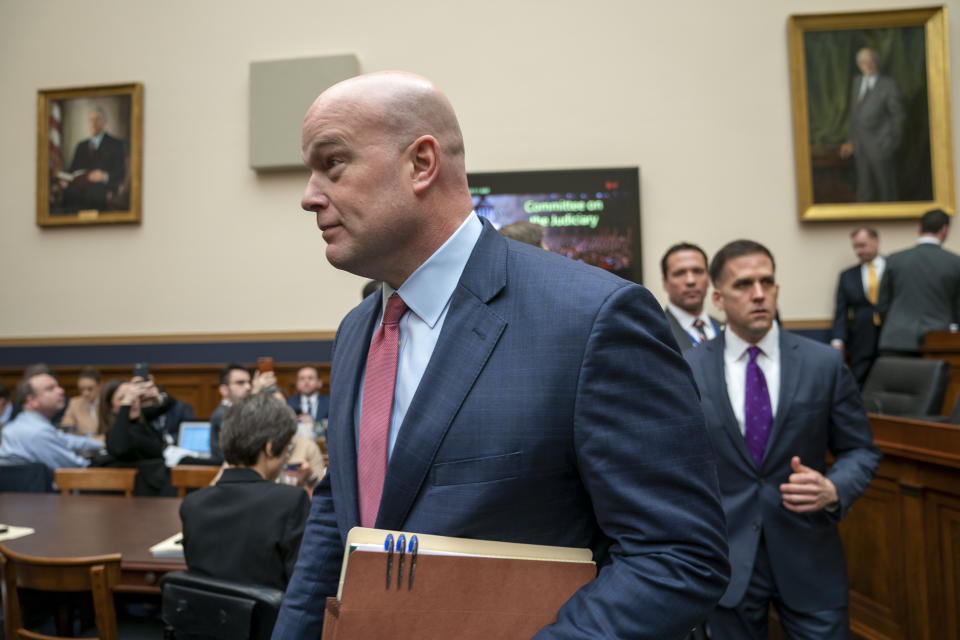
x,y
197,385
902,537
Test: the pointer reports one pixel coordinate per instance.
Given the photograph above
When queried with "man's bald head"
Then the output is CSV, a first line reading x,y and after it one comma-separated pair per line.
x,y
388,180
406,106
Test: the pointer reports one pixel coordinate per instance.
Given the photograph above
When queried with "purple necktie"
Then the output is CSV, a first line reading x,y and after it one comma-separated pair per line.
x,y
757,414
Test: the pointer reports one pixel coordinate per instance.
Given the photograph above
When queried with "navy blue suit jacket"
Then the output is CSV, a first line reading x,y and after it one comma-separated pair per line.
x,y
853,323
556,409
819,410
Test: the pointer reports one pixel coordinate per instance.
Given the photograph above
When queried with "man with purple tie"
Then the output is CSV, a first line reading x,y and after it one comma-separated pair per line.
x,y
774,404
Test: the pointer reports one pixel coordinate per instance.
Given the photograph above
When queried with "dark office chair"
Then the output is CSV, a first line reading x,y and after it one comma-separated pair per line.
x,y
34,477
198,607
911,387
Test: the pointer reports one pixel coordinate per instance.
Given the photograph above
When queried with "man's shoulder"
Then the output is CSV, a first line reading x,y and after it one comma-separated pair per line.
x,y
808,348
700,355
850,271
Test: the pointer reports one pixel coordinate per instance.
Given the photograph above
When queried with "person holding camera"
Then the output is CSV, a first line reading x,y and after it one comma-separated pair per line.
x,y
126,409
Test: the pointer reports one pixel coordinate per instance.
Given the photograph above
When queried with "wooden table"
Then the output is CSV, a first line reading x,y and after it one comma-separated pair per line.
x,y
84,525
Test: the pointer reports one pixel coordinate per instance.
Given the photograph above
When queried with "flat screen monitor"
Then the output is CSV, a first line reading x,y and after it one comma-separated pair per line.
x,y
590,215
195,437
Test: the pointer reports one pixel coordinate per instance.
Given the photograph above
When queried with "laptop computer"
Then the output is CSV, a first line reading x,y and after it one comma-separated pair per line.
x,y
195,437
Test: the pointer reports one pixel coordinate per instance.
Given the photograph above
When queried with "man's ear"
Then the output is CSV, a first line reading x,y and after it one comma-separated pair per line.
x,y
717,299
425,155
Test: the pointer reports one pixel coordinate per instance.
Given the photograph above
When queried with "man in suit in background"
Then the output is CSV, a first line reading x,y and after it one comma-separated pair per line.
x,y
876,125
920,291
855,319
684,268
774,404
235,383
310,405
509,393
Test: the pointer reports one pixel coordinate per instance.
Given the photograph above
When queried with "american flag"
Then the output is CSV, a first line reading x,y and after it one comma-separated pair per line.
x,y
56,155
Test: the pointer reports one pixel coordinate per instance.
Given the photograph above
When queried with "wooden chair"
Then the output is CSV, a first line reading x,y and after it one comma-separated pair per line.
x,y
99,479
192,476
97,574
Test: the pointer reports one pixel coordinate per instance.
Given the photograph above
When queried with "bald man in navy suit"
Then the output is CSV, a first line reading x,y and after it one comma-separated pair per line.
x,y
537,400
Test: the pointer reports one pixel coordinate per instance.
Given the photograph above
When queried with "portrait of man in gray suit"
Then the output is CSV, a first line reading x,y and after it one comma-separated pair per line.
x,y
874,131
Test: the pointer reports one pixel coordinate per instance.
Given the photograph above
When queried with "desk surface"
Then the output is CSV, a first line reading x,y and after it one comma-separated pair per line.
x,y
84,525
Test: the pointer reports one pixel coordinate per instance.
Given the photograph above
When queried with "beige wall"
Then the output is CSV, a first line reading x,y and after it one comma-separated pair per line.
x,y
695,93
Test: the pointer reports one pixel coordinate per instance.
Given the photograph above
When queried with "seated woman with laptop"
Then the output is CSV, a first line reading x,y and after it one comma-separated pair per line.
x,y
247,527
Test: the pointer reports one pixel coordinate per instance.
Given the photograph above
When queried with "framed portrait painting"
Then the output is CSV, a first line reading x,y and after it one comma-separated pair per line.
x,y
871,114
89,155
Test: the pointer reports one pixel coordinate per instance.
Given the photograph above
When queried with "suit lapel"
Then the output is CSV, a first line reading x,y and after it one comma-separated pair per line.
x,y
470,333
345,382
790,365
717,379
683,338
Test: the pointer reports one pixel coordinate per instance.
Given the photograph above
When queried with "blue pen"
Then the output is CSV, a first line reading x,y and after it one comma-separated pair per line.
x,y
388,547
401,548
414,547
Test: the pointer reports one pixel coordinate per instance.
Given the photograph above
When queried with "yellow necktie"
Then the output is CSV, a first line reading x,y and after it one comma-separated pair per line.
x,y
873,290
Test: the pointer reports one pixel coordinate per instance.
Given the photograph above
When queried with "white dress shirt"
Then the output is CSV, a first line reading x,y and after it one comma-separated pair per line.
x,y
735,359
427,294
686,321
866,83
308,404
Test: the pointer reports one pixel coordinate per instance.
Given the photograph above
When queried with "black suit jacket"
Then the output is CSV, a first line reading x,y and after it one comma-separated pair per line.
x,y
853,322
244,528
108,157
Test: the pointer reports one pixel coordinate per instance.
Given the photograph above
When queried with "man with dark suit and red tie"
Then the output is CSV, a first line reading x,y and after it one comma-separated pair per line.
x,y
855,318
493,390
684,268
775,403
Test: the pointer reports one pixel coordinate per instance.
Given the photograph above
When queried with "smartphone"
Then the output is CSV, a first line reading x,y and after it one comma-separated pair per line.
x,y
264,364
141,370
293,467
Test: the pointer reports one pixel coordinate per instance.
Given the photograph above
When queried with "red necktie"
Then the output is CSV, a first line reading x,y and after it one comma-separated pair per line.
x,y
378,387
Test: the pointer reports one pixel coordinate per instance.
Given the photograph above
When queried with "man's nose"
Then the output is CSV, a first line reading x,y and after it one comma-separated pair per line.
x,y
313,197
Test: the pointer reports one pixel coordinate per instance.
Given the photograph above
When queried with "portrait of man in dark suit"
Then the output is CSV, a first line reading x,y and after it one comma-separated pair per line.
x,y
494,390
94,175
775,403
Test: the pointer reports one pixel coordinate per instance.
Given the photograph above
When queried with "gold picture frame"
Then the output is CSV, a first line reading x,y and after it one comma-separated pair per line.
x,y
89,155
859,154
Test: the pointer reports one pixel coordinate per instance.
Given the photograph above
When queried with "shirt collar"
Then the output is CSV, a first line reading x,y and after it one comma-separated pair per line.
x,y
428,289
928,240
686,319
36,417
736,347
97,139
